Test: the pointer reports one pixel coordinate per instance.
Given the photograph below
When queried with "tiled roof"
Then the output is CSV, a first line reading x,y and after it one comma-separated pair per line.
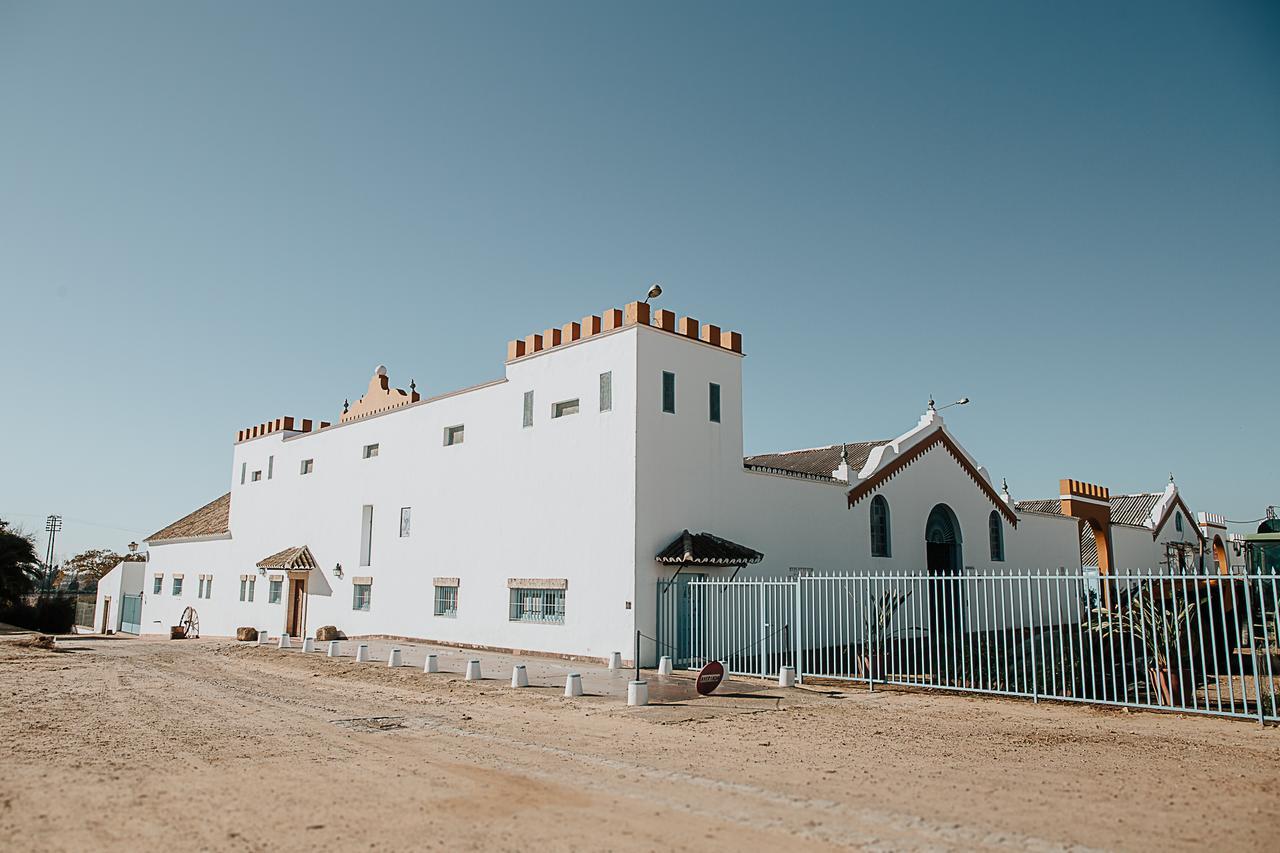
x,y
298,558
209,520
1052,506
1133,510
703,549
817,461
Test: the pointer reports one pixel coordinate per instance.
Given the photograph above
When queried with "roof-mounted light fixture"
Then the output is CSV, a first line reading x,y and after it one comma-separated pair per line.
x,y
654,293
963,401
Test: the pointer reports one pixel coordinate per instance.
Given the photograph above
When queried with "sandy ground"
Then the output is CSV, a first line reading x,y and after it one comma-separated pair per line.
x,y
115,744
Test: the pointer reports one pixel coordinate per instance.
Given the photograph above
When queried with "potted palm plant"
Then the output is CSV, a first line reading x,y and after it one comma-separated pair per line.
x,y
878,630
1158,626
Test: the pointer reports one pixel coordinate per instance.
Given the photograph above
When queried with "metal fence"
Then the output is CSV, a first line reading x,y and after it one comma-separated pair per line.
x,y
86,605
1186,642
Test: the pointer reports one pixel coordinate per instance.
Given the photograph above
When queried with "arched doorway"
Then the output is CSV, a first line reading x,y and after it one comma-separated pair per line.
x,y
1220,556
944,560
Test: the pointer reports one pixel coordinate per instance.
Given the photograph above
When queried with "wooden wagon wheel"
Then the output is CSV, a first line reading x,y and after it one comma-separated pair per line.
x,y
190,623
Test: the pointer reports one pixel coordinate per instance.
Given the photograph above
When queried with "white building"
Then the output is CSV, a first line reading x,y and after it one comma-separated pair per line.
x,y
528,512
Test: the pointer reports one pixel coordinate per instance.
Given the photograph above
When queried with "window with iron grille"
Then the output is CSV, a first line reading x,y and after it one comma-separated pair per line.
x,y
668,392
361,594
252,581
537,605
177,586
447,601
244,588
274,591
997,536
881,544
606,391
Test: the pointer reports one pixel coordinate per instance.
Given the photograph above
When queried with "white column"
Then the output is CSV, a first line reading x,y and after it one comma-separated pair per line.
x,y
573,684
393,659
432,664
519,676
664,665
637,693
362,653
333,648
473,670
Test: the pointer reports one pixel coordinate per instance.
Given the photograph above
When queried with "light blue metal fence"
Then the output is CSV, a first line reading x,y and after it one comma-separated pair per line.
x,y
1187,642
131,614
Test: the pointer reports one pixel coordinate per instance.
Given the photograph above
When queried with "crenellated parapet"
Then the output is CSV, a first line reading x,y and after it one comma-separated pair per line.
x,y
279,425
634,314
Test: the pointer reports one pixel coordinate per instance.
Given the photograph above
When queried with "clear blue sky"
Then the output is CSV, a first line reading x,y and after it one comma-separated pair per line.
x,y
212,214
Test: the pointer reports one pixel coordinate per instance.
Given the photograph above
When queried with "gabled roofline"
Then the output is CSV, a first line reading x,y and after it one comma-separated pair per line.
x,y
1177,502
939,437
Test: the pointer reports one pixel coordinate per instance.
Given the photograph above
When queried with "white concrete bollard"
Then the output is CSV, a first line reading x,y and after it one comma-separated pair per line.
x,y
519,676
308,644
615,661
787,676
362,653
393,659
334,648
473,670
263,639
284,642
664,665
432,664
573,684
637,693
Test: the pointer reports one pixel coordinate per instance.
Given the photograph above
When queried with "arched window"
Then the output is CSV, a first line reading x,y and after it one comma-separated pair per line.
x,y
881,544
997,536
1177,521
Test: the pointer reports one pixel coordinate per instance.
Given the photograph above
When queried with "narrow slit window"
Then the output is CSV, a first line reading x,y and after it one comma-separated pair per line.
x,y
713,403
606,391
528,408
668,392
366,535
252,582
405,512
271,466
244,468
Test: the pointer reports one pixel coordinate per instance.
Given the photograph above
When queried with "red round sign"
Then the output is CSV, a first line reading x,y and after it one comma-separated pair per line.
x,y
709,677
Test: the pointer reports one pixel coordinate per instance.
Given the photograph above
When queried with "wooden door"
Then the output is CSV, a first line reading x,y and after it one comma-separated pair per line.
x,y
106,615
297,607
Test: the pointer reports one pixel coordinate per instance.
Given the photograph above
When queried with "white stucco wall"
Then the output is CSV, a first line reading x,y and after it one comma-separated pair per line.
x,y
124,579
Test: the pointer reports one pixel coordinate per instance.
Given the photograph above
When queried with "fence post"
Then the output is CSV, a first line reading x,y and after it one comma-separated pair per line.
x,y
763,592
1035,689
796,631
1253,652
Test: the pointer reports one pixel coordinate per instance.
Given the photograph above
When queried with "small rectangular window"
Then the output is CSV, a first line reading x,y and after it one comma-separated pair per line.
x,y
537,605
158,586
308,465
668,392
244,587
528,408
208,587
200,588
563,408
177,586
447,601
271,466
454,435
252,581
366,535
361,593
244,467
606,391
370,451
256,476
714,402
404,521
274,591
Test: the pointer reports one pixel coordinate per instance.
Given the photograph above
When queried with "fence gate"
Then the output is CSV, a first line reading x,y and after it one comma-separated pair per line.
x,y
131,614
744,624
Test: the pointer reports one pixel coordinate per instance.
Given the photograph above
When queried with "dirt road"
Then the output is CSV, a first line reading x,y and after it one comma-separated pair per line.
x,y
121,744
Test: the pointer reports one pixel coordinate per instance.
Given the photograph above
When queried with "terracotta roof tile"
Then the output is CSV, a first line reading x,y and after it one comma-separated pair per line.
x,y
817,461
209,520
